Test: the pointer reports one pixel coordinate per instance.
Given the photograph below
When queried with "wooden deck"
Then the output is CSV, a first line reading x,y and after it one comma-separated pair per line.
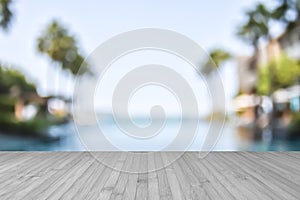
x,y
220,175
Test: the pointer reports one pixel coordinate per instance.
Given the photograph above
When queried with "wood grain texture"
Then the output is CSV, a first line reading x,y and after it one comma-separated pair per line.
x,y
128,175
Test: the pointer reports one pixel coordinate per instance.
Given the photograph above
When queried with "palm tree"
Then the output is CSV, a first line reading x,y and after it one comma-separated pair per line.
x,y
256,28
258,21
61,47
217,57
5,14
284,10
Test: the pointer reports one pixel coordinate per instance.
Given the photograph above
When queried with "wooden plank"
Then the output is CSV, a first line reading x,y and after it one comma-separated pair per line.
x,y
183,180
119,189
220,175
26,186
206,177
244,182
83,186
293,154
15,161
6,156
35,167
114,176
286,184
163,184
197,189
290,164
278,168
55,185
263,178
142,182
74,182
101,178
130,190
176,190
153,192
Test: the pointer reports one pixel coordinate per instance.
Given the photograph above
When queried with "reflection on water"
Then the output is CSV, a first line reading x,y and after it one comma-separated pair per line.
x,y
232,139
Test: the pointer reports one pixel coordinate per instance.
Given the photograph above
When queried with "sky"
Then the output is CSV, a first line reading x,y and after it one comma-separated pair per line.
x,y
209,23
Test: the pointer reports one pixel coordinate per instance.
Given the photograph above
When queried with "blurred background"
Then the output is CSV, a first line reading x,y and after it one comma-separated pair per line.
x,y
255,45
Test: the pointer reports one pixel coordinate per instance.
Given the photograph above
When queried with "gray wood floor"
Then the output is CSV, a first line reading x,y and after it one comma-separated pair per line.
x,y
220,175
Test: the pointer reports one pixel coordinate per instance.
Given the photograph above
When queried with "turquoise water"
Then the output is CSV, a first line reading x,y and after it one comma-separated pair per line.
x,y
231,139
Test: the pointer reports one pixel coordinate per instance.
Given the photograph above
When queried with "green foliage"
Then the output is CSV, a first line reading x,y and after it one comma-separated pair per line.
x,y
13,86
264,82
61,47
259,19
219,56
35,126
12,81
284,72
5,13
288,13
280,73
283,11
256,25
294,126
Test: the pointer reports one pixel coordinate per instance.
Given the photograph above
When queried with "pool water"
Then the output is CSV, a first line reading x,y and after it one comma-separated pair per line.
x,y
231,138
